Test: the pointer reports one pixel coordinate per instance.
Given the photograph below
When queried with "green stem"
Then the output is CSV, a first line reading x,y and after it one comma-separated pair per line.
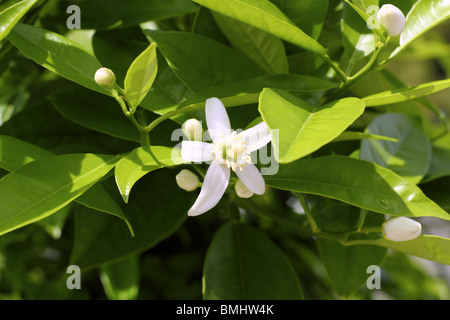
x,y
304,204
338,71
189,108
145,138
364,70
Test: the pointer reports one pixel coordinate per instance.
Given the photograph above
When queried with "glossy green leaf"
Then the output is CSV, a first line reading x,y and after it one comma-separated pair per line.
x,y
440,164
152,212
264,15
114,14
99,199
304,128
58,54
190,56
347,266
140,76
42,187
10,16
247,91
409,157
357,182
15,153
425,246
423,16
120,280
308,15
141,161
404,94
355,135
263,48
103,114
243,264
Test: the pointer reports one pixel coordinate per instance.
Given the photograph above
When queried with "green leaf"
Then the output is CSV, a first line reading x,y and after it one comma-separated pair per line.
x,y
409,157
189,55
263,48
103,114
440,164
265,16
152,211
14,153
141,161
347,266
42,187
423,16
405,94
357,182
425,246
248,91
121,14
243,264
58,54
10,16
304,128
94,111
120,280
99,199
140,76
308,15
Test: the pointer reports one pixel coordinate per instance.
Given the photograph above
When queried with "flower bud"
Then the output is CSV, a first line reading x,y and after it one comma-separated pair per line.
x,y
105,78
401,229
187,180
193,130
392,19
241,190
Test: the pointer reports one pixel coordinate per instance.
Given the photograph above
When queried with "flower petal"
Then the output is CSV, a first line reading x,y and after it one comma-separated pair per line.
x,y
257,136
196,151
214,186
216,119
252,179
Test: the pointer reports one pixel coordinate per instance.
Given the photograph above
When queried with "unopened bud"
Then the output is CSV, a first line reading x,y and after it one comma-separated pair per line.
x,y
187,180
401,229
193,130
392,19
241,190
105,77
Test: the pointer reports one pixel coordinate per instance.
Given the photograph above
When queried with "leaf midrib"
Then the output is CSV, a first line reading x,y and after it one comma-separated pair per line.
x,y
24,211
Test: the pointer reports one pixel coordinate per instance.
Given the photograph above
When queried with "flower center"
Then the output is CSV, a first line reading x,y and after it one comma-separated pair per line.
x,y
232,151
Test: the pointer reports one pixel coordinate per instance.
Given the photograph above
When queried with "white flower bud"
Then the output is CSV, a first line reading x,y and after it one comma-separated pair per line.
x,y
401,229
105,77
392,19
193,130
241,190
187,180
